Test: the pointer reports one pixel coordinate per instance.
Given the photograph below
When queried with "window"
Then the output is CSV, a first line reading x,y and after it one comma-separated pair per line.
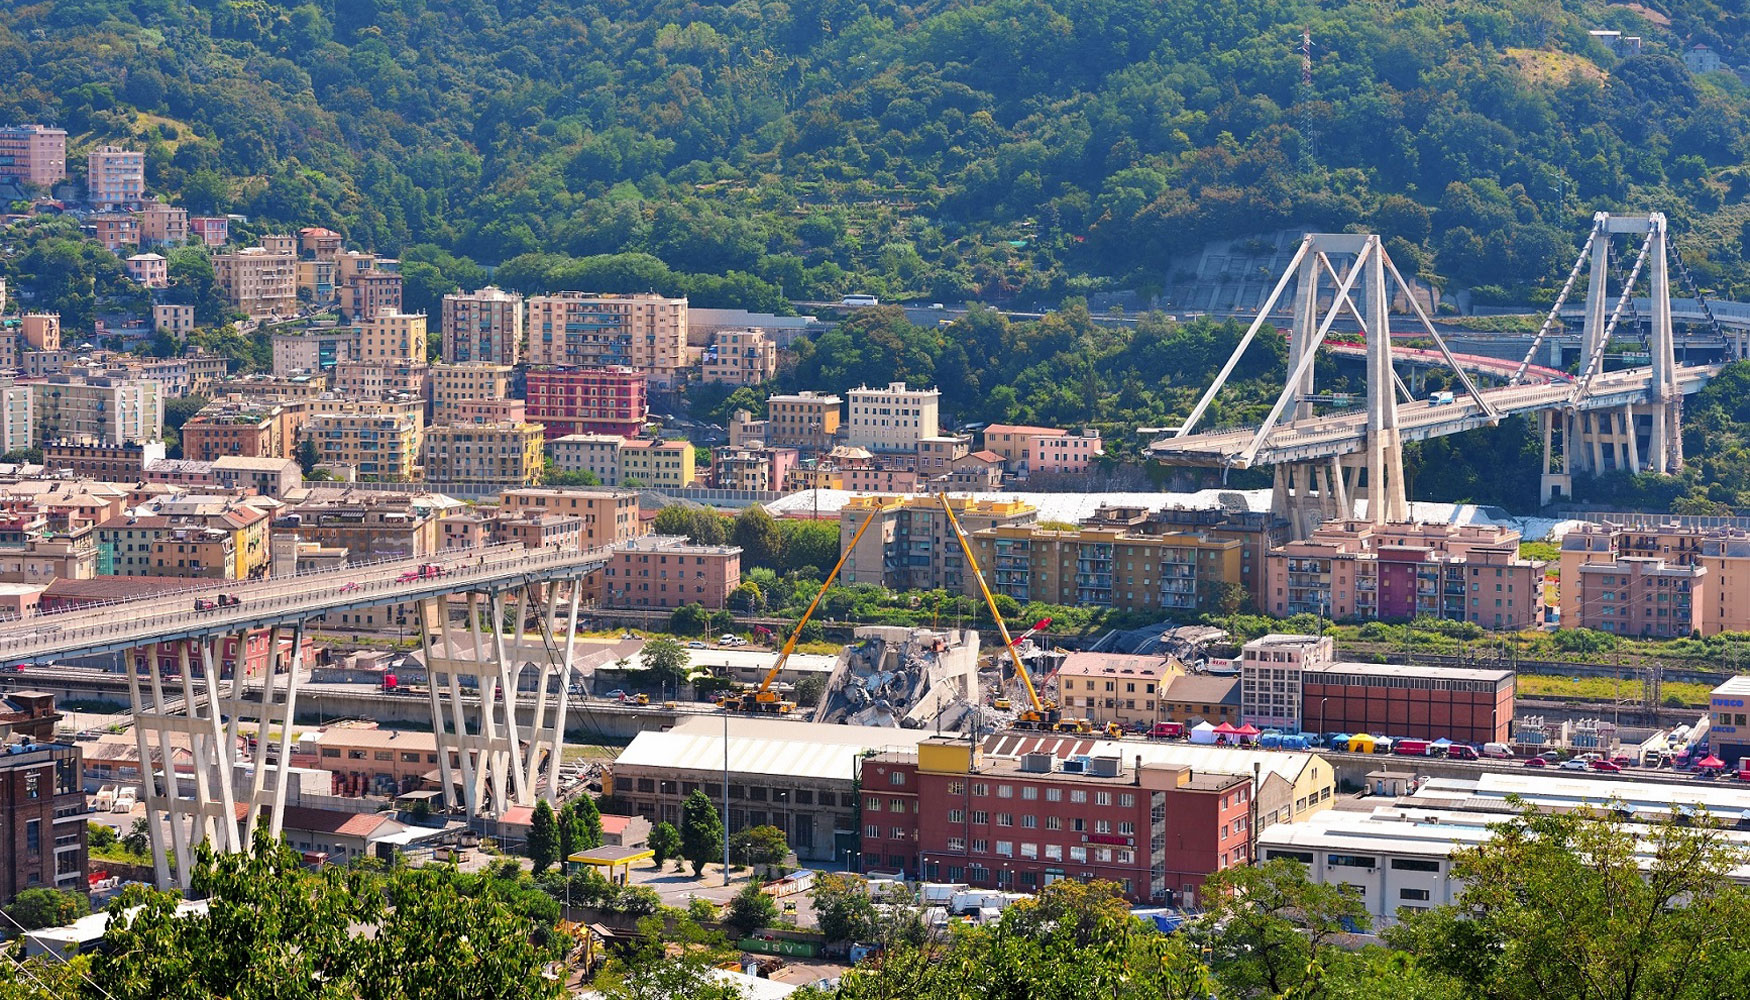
x,y
956,815
1029,822
1029,850
1005,791
980,817
981,846
1127,801
1053,852
1054,822
957,844
1005,848
956,788
1054,795
1005,819
872,832
1078,853
33,836
872,804
900,833
1420,895
1414,865
896,805
980,788
1351,861
1078,795
1102,798
1029,792
896,778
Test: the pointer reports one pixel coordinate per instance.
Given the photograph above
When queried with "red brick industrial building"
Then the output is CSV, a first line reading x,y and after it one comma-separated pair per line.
x,y
947,813
1385,699
42,802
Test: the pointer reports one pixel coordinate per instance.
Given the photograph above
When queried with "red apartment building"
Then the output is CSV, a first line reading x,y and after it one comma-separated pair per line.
x,y
948,813
588,401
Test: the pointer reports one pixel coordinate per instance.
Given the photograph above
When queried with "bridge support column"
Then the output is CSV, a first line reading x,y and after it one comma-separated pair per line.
x,y
1555,483
210,715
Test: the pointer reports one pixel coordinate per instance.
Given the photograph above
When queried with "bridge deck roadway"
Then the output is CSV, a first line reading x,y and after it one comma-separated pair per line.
x,y
1346,433
127,624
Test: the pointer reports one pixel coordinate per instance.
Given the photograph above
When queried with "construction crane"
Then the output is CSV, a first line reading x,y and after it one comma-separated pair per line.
x,y
762,698
1038,714
1001,701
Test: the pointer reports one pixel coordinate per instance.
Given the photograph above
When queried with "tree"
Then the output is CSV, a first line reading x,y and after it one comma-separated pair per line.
x,y
308,456
543,837
1587,904
699,524
757,534
1072,940
809,545
761,846
138,840
44,907
750,910
746,597
689,619
587,822
809,690
843,908
665,842
1276,926
666,662
701,831
100,835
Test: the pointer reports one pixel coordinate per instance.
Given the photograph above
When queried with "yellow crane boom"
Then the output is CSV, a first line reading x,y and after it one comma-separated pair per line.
x,y
790,646
991,602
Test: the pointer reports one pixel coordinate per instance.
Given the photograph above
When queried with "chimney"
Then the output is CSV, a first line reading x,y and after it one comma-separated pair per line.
x,y
1136,779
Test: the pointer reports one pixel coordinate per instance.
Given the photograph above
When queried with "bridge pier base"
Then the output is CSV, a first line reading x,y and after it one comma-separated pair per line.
x,y
1556,482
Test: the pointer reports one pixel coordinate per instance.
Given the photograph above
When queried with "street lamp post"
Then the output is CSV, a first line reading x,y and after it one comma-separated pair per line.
x,y
1322,715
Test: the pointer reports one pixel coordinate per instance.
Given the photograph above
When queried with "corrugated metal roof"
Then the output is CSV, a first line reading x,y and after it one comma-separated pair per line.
x,y
1219,760
767,746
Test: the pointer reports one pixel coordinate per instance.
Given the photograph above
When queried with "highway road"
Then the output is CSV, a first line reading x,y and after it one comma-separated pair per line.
x,y
282,601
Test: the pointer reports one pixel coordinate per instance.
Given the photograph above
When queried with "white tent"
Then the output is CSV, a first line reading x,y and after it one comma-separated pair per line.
x,y
1203,732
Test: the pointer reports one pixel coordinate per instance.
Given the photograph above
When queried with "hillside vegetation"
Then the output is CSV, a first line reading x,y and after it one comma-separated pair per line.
x,y
1007,150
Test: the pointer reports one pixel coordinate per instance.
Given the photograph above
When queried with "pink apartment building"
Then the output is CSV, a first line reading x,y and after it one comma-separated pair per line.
x,y
1027,450
34,154
667,571
588,401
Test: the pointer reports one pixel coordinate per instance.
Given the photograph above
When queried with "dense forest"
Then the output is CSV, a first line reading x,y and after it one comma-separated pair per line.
x,y
1009,150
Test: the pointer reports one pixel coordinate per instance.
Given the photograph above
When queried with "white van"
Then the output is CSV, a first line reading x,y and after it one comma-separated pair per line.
x,y
1498,750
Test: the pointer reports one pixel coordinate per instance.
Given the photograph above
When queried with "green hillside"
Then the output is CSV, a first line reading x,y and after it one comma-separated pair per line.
x,y
1013,150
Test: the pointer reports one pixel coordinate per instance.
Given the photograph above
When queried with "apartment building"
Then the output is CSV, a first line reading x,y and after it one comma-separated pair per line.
x,y
1102,567
105,461
97,407
393,337
609,516
1358,570
1117,687
588,400
115,176
319,243
1257,532
598,454
379,379
314,350
760,470
176,320
34,154
235,426
910,546
1156,830
507,454
484,326
1028,450
42,810
1656,576
382,446
740,357
266,476
657,464
258,281
456,383
892,419
229,542
112,230
162,225
364,294
580,330
318,280
805,420
212,230
668,571
368,526
148,269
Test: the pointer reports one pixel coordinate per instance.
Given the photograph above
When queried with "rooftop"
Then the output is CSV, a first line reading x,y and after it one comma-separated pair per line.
x,y
767,746
1409,670
1117,664
1734,687
1218,759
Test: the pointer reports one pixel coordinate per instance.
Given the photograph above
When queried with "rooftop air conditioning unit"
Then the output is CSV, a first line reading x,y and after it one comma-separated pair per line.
x,y
1036,763
1105,767
1075,765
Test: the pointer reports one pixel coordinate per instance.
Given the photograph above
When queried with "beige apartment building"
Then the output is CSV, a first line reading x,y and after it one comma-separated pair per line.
x,y
1396,572
892,419
657,464
258,281
393,338
910,545
178,321
580,330
458,383
598,454
740,357
609,516
34,154
807,420
98,408
162,225
368,293
502,453
382,446
1656,577
1109,567
484,326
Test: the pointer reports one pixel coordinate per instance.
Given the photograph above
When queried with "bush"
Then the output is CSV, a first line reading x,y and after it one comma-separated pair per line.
x,y
750,910
43,907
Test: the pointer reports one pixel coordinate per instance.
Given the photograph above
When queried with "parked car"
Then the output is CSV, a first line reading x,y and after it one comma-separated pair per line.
x,y
696,644
727,638
1606,765
1536,762
1572,765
